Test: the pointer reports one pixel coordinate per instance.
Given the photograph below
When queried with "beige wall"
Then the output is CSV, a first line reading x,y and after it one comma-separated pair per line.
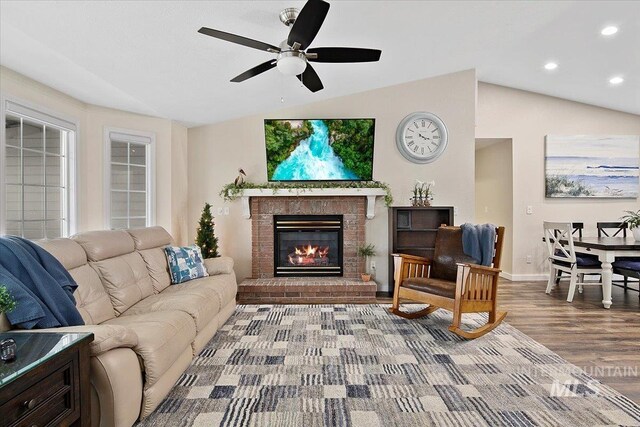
x,y
179,184
526,118
494,191
216,152
170,139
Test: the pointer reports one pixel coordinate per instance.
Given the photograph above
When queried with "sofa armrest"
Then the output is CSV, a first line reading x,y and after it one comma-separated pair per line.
x,y
219,265
105,337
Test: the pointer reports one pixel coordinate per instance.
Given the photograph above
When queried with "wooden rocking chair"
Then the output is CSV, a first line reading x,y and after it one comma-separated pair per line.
x,y
450,281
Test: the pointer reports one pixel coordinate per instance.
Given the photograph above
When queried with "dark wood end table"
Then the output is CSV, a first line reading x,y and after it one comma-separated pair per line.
x,y
48,382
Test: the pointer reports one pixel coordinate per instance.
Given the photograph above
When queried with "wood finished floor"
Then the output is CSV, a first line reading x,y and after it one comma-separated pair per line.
x,y
582,332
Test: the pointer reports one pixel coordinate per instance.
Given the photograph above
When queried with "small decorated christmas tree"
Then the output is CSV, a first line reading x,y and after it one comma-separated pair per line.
x,y
206,238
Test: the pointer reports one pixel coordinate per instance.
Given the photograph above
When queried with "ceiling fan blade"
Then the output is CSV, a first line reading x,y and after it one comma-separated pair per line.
x,y
233,38
258,69
308,23
310,79
344,54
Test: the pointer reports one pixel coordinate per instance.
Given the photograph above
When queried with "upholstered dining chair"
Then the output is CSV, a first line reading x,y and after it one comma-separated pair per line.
x,y
627,267
450,281
563,257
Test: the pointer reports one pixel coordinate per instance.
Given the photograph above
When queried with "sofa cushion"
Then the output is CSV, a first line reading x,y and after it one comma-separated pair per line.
x,y
69,253
162,337
224,286
149,242
219,265
104,244
185,263
92,300
126,280
150,237
201,304
156,261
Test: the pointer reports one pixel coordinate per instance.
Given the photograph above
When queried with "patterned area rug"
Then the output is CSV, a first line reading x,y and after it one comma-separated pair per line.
x,y
359,365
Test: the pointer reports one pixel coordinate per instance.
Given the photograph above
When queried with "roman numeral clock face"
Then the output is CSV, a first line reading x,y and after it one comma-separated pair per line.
x,y
421,137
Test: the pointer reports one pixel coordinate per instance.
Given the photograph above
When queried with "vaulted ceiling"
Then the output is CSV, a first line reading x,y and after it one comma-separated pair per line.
x,y
147,57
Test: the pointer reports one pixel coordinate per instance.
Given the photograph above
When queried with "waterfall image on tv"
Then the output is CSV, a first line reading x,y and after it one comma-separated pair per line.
x,y
319,150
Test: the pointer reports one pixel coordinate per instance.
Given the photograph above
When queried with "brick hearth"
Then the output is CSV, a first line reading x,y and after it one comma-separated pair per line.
x,y
306,290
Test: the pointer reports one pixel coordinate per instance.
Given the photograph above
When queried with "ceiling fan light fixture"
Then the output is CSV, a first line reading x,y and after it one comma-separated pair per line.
x,y
292,63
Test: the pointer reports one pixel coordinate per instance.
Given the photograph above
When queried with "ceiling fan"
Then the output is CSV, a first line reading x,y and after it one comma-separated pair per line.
x,y
293,57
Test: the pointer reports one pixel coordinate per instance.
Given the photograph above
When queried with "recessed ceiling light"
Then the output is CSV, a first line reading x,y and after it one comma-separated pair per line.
x,y
616,80
550,66
609,31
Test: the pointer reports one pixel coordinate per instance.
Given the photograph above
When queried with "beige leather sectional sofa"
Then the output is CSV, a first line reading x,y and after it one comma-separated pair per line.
x,y
147,331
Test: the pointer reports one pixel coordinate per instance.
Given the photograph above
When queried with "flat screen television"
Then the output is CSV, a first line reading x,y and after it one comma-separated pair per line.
x,y
319,149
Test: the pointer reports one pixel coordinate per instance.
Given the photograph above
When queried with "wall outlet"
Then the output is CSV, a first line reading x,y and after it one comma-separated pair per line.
x,y
220,211
373,265
529,210
226,210
529,259
486,209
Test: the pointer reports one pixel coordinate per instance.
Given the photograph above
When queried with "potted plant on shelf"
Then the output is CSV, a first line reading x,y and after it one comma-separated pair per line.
x,y
365,252
633,222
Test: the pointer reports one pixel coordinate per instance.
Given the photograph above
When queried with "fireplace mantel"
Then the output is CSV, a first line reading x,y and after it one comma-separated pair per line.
x,y
369,193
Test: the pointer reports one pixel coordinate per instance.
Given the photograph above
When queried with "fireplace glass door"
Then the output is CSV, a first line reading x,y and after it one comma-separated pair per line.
x,y
308,245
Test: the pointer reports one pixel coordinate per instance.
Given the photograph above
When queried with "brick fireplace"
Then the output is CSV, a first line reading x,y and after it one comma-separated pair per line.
x,y
267,286
263,210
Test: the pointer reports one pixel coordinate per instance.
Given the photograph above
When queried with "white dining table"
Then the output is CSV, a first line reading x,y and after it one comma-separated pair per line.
x,y
607,249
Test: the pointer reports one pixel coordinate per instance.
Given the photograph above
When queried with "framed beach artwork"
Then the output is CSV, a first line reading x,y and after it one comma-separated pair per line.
x,y
592,166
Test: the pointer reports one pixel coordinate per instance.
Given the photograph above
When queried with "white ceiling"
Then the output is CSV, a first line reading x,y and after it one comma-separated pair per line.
x,y
146,56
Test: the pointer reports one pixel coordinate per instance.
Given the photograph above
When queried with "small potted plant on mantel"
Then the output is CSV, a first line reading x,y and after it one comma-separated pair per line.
x,y
633,222
365,252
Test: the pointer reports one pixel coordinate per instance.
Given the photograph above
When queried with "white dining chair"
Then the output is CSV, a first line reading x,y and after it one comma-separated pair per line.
x,y
563,257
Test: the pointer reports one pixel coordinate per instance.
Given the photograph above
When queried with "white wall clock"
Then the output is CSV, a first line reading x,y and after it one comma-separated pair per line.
x,y
421,137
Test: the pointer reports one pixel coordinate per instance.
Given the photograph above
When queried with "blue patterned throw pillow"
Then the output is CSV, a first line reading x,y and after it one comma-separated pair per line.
x,y
185,263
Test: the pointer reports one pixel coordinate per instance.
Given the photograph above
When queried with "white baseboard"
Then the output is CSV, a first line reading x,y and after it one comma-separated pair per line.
x,y
507,276
540,277
525,277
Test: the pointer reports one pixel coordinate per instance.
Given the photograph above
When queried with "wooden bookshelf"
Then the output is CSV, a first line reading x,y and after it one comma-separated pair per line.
x,y
412,230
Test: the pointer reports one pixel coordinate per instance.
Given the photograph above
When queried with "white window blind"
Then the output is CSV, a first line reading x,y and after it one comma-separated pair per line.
x,y
130,195
37,174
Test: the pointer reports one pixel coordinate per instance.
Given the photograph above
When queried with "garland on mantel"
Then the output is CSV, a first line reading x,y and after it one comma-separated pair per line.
x,y
232,191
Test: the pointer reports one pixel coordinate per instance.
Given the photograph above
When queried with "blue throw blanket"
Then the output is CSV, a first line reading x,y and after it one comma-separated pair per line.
x,y
41,286
478,241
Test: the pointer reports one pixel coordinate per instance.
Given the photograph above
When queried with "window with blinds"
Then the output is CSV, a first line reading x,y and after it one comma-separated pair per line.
x,y
37,174
130,185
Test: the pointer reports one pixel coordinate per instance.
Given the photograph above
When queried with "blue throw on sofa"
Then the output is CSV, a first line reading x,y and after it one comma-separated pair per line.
x,y
41,286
